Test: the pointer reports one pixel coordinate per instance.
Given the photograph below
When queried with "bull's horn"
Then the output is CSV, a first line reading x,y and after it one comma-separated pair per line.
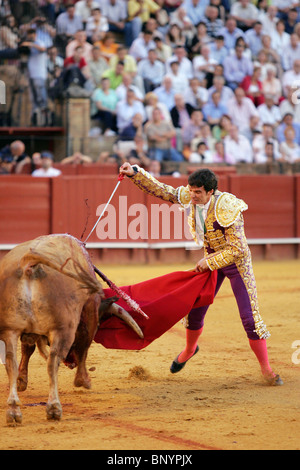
x,y
126,317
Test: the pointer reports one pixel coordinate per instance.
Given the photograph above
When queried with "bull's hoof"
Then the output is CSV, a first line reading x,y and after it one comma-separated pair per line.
x,y
81,381
21,384
13,416
54,411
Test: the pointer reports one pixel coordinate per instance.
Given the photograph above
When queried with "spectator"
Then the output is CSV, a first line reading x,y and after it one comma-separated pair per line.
x,y
213,23
159,134
204,65
185,65
193,128
253,38
143,9
206,136
163,50
127,109
237,67
272,85
288,121
67,24
154,168
202,154
231,33
253,87
200,39
138,155
237,146
181,112
291,52
291,20
272,56
130,65
269,112
115,12
53,60
291,77
96,26
134,128
243,113
115,75
179,81
214,110
220,156
84,9
290,150
279,38
80,39
97,66
259,144
76,69
270,20
195,94
290,106
195,9
16,152
108,46
6,164
225,92
76,159
218,51
151,102
105,100
245,14
175,36
126,83
37,72
219,132
151,70
47,169
181,19
141,45
166,93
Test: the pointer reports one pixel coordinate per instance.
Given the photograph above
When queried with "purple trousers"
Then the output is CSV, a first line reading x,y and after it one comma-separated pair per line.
x,y
197,315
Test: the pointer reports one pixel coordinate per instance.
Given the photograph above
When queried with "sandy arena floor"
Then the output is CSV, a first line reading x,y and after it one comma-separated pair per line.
x,y
219,401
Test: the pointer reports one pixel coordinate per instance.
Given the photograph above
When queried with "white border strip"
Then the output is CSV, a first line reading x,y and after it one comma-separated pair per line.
x,y
162,245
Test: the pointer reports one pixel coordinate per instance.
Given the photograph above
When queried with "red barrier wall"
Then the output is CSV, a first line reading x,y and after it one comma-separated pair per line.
x,y
30,207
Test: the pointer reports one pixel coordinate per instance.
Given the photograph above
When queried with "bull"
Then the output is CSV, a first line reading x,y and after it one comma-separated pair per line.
x,y
50,296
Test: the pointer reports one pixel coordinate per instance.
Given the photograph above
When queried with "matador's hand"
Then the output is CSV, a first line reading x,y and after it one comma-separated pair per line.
x,y
126,169
202,266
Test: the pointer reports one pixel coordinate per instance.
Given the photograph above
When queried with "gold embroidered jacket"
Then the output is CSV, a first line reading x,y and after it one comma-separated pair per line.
x,y
224,242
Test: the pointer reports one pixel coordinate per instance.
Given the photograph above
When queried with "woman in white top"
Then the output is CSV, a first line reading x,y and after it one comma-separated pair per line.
x,y
289,149
272,85
279,38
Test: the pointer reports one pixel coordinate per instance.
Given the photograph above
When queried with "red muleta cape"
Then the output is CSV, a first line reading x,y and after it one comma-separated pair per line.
x,y
165,299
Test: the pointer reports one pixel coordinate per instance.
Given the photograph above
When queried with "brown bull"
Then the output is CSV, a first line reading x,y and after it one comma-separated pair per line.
x,y
49,295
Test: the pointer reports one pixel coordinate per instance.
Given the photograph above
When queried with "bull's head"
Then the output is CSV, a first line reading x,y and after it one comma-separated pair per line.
x,y
109,307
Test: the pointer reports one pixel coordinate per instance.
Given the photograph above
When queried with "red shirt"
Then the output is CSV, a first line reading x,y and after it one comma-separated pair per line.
x,y
70,61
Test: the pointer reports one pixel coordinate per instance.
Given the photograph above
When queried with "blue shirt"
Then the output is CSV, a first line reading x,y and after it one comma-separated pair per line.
x,y
213,111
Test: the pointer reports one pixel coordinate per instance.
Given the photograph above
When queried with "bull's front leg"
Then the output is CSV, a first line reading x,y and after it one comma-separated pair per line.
x,y
13,413
27,350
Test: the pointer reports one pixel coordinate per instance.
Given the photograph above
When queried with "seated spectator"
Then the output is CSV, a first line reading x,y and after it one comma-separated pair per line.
x,y
253,38
133,129
67,24
143,9
271,85
127,109
179,81
245,14
237,146
243,113
195,94
141,45
160,134
6,164
202,154
291,52
151,70
220,156
96,26
253,88
166,93
115,75
138,155
212,21
218,51
47,169
289,148
230,33
76,159
181,19
108,46
77,60
237,67
261,61
226,93
219,132
185,65
200,39
97,65
206,136
163,50
175,36
291,77
213,111
259,142
16,150
272,56
204,65
268,155
84,9
9,38
105,100
154,168
127,82
291,20
151,102
53,60
280,40
269,112
290,106
195,9
193,128
115,12
181,112
288,121
270,20
76,71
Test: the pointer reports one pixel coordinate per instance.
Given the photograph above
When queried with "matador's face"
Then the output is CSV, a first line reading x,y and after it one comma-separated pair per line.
x,y
199,195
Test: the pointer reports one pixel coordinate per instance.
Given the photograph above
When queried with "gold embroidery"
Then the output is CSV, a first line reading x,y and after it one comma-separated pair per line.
x,y
227,209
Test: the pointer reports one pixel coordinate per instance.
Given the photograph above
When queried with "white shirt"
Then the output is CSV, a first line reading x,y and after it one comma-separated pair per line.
x,y
49,173
202,208
269,116
240,151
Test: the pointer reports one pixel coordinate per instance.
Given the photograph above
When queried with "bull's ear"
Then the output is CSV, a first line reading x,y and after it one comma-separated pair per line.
x,y
105,305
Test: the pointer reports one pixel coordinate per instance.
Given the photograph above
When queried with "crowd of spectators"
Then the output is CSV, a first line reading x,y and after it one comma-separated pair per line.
x,y
204,81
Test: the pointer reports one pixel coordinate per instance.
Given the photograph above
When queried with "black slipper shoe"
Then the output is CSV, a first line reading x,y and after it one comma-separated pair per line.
x,y
178,366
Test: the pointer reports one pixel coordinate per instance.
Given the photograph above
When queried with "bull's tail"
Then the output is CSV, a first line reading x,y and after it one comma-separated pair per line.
x,y
70,268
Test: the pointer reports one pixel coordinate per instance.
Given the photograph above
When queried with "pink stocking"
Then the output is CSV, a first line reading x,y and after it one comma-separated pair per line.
x,y
192,337
259,347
